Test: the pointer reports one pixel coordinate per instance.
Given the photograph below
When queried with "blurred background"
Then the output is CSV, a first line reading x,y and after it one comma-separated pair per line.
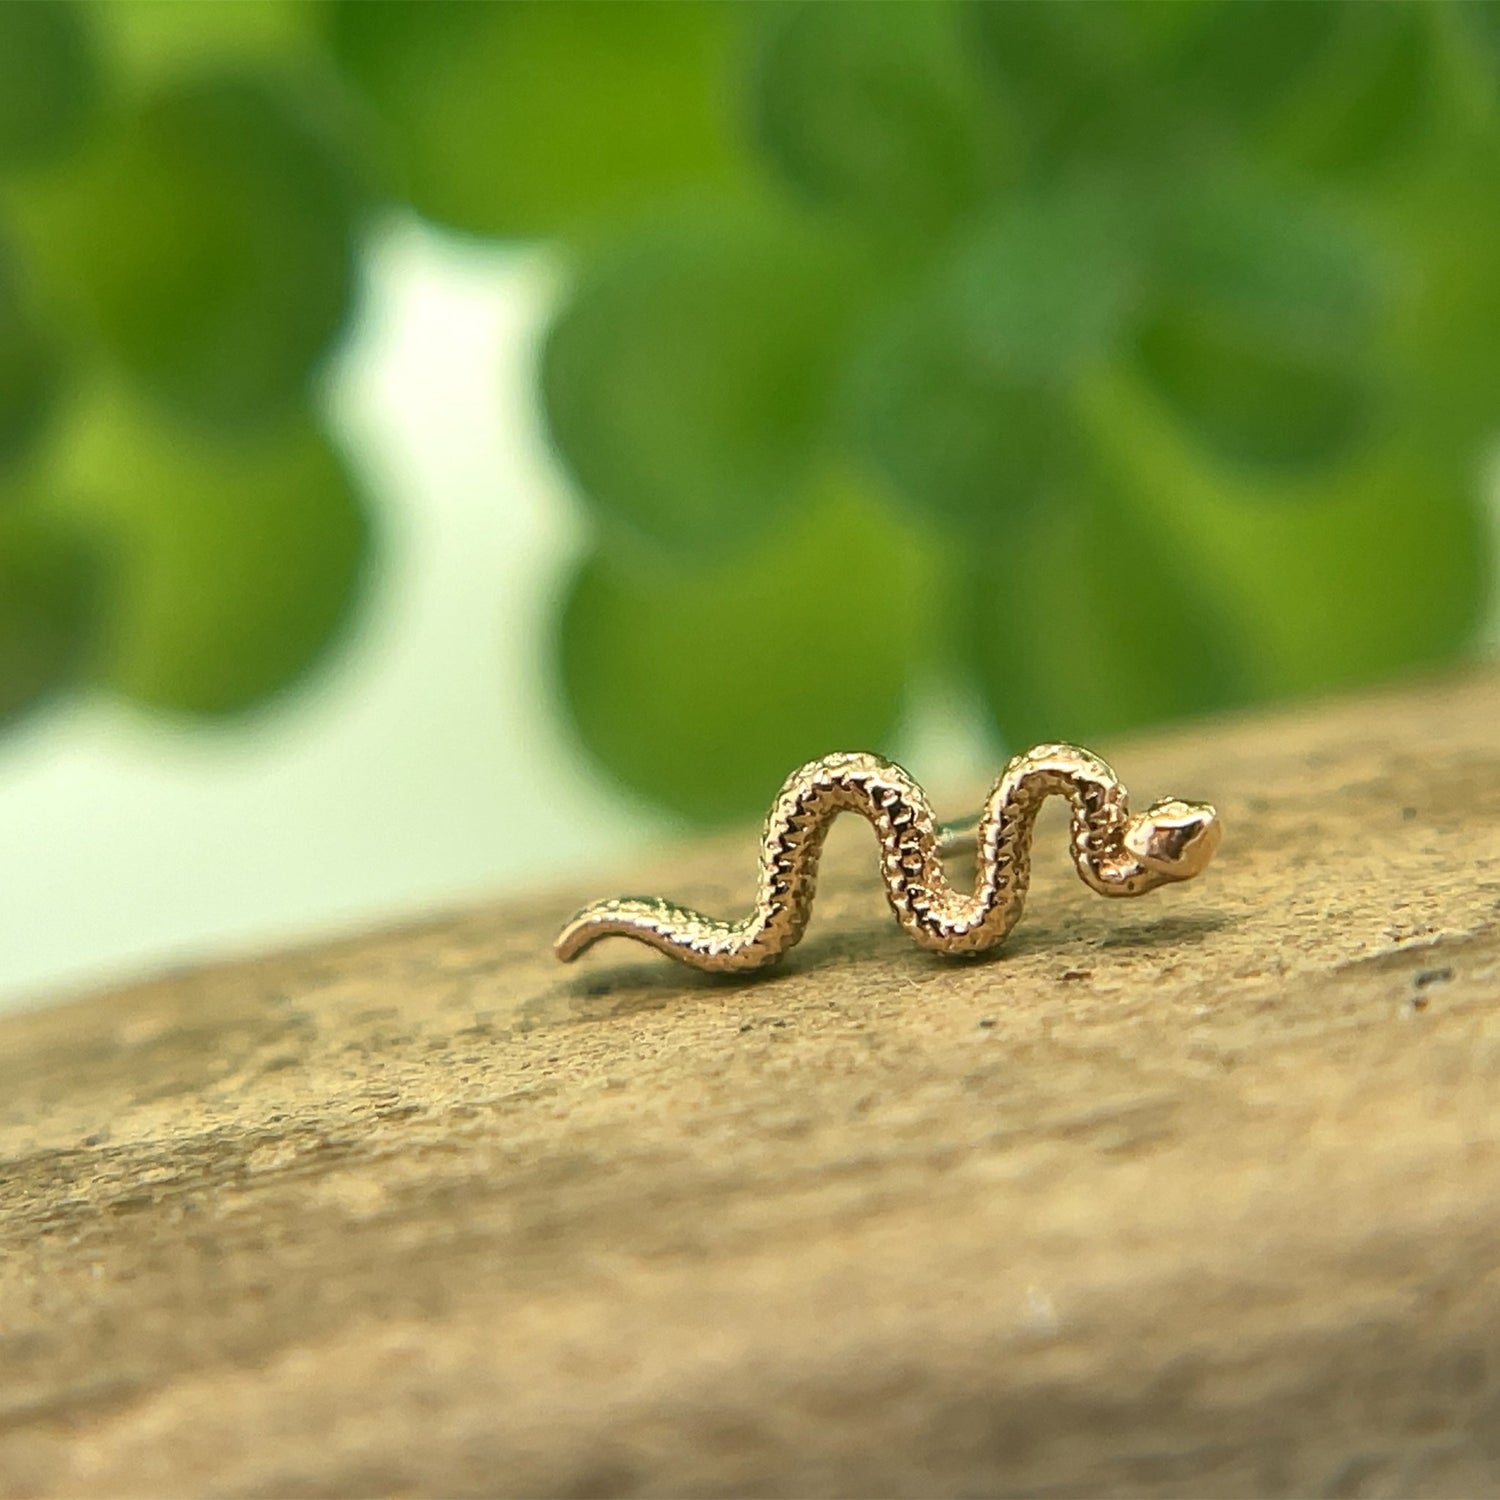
x,y
434,435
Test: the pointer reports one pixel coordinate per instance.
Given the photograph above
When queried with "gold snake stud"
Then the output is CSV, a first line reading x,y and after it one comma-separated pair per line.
x,y
1115,852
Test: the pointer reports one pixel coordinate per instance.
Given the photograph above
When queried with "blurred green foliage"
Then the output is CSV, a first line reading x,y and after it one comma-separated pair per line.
x,y
529,117
1117,362
720,653
687,376
183,193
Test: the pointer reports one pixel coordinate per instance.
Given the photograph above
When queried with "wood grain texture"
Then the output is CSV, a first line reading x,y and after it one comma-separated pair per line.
x,y
1196,1195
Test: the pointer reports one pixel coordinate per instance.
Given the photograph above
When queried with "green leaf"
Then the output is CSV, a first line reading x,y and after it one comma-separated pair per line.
x,y
1249,397
958,443
702,692
1287,258
1445,347
209,242
49,81
48,608
1039,289
1081,81
1241,61
687,378
537,116
1085,623
152,42
1262,338
236,564
876,112
30,369
959,399
1369,102
1479,23
1361,572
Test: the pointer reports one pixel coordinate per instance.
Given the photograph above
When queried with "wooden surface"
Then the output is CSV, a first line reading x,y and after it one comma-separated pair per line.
x,y
1193,1195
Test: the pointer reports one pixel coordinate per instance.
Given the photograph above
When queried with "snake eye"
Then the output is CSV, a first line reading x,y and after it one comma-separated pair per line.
x,y
1175,839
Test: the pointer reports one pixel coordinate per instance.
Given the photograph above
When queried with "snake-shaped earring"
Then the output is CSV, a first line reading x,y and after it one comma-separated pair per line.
x,y
1116,853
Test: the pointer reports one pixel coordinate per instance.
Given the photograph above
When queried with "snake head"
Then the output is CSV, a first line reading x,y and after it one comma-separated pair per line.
x,y
1174,840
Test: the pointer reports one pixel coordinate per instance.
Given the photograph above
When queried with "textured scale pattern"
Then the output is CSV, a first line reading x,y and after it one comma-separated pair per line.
x,y
1115,853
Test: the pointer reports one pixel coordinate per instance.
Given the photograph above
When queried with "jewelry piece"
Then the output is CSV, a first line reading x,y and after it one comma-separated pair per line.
x,y
1116,854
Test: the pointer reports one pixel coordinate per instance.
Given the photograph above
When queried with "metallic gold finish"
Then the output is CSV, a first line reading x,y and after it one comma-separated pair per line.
x,y
1116,853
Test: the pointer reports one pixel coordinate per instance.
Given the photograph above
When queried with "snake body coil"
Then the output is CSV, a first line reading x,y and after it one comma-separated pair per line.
x,y
1116,854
